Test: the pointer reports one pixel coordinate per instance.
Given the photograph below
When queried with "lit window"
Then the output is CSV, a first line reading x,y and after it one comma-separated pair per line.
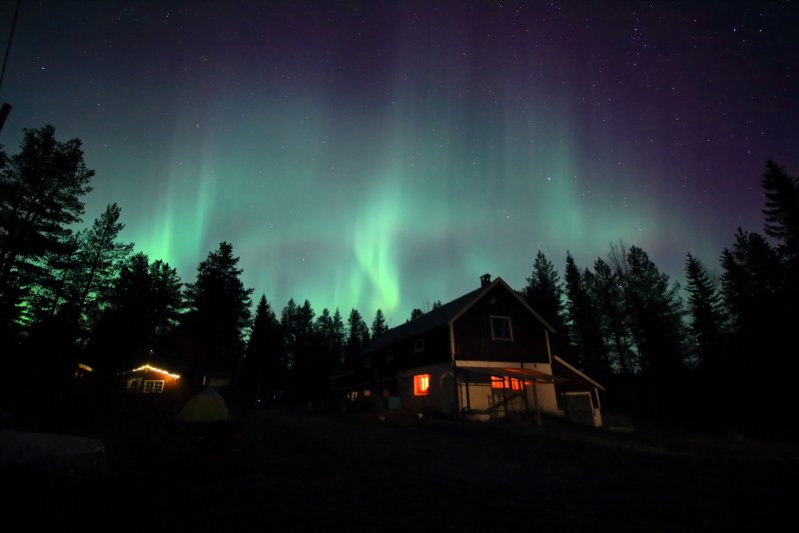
x,y
421,385
352,395
134,383
501,329
418,345
153,386
506,383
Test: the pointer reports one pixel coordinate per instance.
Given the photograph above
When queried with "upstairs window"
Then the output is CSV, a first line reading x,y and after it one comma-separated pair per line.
x,y
421,384
501,329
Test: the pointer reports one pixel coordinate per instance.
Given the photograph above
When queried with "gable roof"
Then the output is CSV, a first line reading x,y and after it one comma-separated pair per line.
x,y
442,316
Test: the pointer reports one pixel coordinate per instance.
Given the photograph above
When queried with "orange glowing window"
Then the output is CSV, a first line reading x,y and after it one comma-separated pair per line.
x,y
421,385
506,383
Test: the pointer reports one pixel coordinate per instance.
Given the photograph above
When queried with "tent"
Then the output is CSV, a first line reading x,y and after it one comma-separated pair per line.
x,y
207,406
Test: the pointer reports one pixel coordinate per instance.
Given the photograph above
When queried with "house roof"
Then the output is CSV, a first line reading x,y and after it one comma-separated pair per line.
x,y
442,316
149,368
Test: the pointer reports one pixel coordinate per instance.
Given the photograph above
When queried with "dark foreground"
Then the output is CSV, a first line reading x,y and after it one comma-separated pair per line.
x,y
299,471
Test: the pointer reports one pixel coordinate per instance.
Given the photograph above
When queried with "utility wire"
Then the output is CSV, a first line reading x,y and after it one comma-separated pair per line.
x,y
8,46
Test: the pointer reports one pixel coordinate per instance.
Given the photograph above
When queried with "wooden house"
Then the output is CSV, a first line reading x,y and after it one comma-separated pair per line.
x,y
486,354
148,379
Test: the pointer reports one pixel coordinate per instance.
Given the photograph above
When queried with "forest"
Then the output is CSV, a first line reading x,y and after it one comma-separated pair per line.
x,y
713,351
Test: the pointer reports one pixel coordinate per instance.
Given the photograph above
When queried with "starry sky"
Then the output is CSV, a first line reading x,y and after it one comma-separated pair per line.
x,y
386,154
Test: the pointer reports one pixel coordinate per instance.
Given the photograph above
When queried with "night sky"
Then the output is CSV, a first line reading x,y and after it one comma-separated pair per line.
x,y
386,154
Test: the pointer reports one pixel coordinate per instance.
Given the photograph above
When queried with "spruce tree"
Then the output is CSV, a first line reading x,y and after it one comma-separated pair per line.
x,y
379,326
544,291
583,324
706,325
358,334
220,312
262,373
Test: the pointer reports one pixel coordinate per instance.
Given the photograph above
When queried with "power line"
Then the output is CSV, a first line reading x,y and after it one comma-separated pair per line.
x,y
8,46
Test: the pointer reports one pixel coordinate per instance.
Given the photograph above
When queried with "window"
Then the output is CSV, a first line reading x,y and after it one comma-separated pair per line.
x,y
421,384
352,395
152,386
506,383
418,345
501,329
134,384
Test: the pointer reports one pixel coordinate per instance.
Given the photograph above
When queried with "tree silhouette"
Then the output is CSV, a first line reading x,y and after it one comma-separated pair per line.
x,y
143,308
782,209
653,312
544,293
220,312
379,326
358,334
263,372
100,258
40,197
585,332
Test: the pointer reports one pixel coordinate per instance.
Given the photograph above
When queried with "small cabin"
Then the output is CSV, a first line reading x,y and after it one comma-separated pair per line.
x,y
149,379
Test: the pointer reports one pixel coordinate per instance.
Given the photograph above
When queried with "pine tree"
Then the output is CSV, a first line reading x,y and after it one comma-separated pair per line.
x,y
143,308
379,326
605,291
544,293
584,326
220,311
358,334
653,309
100,259
782,209
262,371
706,326
40,198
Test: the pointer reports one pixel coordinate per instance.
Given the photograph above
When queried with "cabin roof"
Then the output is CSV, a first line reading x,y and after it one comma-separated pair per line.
x,y
441,317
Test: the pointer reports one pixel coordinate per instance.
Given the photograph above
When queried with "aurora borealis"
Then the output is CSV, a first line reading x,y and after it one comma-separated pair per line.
x,y
386,154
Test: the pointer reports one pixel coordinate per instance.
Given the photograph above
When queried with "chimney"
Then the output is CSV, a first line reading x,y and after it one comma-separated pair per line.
x,y
485,279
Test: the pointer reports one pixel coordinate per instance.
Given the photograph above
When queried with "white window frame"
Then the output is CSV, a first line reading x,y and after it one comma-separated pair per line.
x,y
510,328
156,383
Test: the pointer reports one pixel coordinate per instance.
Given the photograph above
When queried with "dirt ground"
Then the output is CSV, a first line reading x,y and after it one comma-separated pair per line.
x,y
303,471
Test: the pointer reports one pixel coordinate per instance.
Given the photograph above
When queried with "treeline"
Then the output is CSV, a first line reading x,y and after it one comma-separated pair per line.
x,y
717,348
721,350
69,297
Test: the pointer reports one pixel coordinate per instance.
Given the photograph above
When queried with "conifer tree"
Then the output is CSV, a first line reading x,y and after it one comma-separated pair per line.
x,y
142,310
262,372
220,311
41,190
544,291
379,326
706,326
358,334
584,326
